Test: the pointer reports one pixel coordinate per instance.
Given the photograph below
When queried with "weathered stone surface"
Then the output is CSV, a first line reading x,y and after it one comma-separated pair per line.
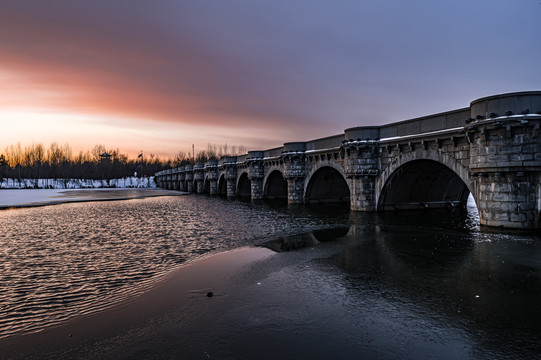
x,y
497,159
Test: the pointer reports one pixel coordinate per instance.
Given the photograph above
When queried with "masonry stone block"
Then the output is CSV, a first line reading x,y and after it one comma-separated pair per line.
x,y
499,163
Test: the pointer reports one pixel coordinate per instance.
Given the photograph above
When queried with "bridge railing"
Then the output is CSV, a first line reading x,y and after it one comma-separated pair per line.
x,y
328,142
425,124
274,153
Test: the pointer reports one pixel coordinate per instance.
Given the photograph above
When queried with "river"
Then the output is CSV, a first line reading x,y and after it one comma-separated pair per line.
x,y
431,277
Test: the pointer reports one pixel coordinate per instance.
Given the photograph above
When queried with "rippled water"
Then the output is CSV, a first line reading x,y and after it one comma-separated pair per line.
x,y
61,261
427,275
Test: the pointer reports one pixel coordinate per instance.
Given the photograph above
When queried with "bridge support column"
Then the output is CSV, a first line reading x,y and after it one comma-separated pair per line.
x,y
199,177
255,171
175,182
231,188
294,171
295,190
361,166
230,168
189,178
363,190
181,178
256,188
213,187
212,169
509,200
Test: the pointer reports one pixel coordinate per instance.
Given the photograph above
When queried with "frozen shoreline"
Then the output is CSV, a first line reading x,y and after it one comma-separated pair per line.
x,y
121,327
18,198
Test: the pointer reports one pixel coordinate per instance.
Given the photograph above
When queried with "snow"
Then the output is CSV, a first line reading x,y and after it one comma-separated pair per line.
x,y
33,192
24,197
39,197
413,136
130,182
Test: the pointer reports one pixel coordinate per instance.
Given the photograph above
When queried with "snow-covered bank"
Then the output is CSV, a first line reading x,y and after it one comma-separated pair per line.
x,y
129,182
11,198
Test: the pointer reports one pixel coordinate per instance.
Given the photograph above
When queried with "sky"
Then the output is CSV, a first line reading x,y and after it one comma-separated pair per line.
x,y
162,75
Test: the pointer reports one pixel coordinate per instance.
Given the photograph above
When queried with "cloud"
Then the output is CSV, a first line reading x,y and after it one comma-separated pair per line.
x,y
298,70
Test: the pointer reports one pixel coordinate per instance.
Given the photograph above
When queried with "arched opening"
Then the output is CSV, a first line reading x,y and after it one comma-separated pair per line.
x,y
327,185
206,186
422,184
244,186
222,186
276,186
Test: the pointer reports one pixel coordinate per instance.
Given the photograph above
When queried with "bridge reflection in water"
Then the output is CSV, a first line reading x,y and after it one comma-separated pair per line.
x,y
491,150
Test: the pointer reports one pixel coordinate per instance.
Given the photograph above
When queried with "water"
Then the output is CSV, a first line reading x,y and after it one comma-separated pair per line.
x,y
435,276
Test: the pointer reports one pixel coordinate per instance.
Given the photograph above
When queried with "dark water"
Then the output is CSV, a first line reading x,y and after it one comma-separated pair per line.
x,y
401,285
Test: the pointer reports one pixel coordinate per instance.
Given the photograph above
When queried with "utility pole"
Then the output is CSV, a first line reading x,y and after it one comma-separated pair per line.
x,y
142,164
193,153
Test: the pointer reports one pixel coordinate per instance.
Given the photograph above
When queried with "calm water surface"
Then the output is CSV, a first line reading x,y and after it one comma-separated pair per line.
x,y
432,276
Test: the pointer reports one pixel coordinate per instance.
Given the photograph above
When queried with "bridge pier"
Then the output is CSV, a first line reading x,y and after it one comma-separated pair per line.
x,y
189,178
199,177
230,169
181,178
255,174
211,167
174,182
362,193
508,199
293,159
361,154
295,190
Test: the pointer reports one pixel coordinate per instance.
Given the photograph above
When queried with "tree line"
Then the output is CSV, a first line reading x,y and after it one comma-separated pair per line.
x,y
57,161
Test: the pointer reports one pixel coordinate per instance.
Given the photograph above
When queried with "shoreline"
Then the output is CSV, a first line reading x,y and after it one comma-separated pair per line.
x,y
27,198
185,287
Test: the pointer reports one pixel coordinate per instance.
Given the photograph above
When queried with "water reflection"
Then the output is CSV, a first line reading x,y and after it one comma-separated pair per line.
x,y
304,240
449,279
424,271
490,290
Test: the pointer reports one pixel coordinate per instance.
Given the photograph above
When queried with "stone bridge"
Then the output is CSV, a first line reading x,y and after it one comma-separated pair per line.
x,y
491,149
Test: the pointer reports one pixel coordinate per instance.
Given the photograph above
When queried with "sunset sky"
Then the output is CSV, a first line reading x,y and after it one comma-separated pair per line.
x,y
163,75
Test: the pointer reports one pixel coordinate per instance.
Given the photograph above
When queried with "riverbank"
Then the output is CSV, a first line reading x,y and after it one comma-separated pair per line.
x,y
170,320
18,198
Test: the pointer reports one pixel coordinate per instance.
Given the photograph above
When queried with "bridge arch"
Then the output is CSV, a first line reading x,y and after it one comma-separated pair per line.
x,y
326,183
244,185
274,184
421,180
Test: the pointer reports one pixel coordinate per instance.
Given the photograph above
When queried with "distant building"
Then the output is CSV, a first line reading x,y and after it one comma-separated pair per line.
x,y
105,157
